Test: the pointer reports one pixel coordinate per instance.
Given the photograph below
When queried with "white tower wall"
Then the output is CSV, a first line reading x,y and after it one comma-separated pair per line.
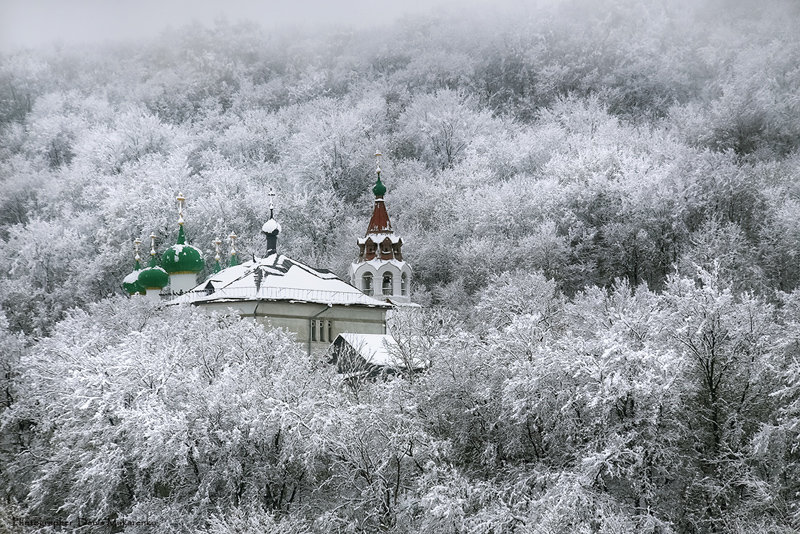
x,y
377,268
182,282
153,294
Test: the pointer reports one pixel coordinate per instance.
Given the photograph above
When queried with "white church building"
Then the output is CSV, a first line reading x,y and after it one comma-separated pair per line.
x,y
314,304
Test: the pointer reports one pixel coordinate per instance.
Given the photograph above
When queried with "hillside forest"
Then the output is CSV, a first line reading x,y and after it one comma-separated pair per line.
x,y
601,205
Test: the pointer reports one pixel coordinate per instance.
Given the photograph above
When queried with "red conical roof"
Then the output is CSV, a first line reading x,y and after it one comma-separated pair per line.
x,y
379,222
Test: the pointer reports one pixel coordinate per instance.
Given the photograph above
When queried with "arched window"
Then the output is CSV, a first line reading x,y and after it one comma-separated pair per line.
x,y
366,284
386,288
404,284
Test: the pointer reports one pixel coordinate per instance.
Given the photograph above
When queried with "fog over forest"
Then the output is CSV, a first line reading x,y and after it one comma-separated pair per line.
x,y
600,202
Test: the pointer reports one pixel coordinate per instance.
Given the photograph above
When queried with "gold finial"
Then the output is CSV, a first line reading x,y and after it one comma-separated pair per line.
x,y
378,162
136,243
271,196
217,243
233,237
181,199
152,244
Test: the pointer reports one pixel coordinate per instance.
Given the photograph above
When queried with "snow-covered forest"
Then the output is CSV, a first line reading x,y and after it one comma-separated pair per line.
x,y
601,205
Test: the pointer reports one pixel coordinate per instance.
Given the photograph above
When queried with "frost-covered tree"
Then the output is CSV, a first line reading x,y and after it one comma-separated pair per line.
x,y
169,415
730,372
438,128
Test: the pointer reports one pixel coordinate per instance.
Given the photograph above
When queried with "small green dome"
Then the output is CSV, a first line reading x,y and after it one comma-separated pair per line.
x,y
153,277
131,283
182,258
379,190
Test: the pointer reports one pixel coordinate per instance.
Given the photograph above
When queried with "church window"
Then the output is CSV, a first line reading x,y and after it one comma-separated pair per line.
x,y
330,330
366,284
322,330
404,284
313,330
387,284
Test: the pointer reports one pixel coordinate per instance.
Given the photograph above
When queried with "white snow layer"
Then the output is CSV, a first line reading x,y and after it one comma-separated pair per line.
x,y
379,238
179,249
380,349
281,279
132,277
271,226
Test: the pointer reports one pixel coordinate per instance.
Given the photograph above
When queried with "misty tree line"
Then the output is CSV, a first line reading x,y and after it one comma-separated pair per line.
x,y
601,205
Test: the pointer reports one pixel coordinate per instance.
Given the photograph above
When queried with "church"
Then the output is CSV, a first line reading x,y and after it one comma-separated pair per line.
x,y
314,304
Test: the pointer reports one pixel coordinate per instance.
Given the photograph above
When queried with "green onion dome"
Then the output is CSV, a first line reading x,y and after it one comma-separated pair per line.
x,y
182,258
379,190
153,277
131,283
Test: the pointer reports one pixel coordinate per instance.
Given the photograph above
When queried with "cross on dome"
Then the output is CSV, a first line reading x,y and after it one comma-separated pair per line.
x,y
153,278
380,269
234,258
217,257
379,222
271,228
180,199
131,283
379,190
271,196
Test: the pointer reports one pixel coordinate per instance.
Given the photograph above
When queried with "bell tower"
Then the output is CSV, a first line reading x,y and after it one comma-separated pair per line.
x,y
380,270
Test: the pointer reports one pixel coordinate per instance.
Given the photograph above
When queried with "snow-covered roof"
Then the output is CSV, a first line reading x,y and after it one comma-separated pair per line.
x,y
379,238
281,279
397,303
381,350
377,263
132,277
178,248
271,226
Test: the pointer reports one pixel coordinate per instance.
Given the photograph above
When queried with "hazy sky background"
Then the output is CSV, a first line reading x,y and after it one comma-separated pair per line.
x,y
31,23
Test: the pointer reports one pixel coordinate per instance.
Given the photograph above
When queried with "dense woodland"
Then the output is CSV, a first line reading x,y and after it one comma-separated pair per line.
x,y
601,204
